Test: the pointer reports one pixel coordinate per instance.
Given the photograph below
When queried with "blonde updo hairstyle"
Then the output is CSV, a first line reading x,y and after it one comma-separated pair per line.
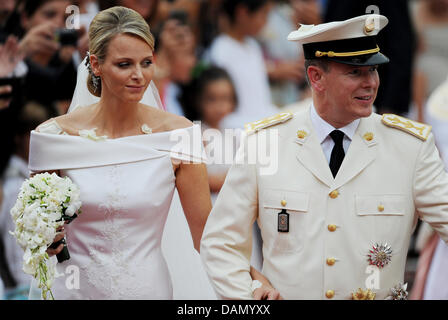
x,y
105,26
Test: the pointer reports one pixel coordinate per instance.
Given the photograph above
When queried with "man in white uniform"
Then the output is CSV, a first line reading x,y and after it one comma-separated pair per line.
x,y
337,214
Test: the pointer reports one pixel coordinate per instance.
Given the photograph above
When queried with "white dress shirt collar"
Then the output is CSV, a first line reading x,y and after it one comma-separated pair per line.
x,y
323,128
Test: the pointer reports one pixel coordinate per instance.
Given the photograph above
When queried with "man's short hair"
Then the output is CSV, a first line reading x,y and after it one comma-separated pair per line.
x,y
229,6
320,63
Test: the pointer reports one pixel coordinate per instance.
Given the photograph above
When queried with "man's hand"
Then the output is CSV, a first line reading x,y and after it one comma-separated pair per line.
x,y
9,56
4,103
39,40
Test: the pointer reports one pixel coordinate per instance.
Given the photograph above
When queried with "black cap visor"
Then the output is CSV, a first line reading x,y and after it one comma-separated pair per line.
x,y
364,60
356,46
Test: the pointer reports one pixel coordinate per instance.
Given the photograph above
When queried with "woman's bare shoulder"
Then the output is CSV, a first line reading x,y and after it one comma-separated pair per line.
x,y
174,122
165,121
69,123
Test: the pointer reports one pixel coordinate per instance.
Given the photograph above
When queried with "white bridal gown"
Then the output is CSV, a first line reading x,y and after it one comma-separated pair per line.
x,y
127,186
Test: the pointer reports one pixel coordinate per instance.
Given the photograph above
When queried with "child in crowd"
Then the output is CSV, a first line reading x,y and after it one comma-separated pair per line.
x,y
210,98
241,56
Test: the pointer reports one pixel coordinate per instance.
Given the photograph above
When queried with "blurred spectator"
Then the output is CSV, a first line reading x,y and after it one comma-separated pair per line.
x,y
285,61
6,9
4,102
397,42
17,284
241,56
211,96
175,60
88,10
431,21
10,56
51,73
148,9
210,24
12,69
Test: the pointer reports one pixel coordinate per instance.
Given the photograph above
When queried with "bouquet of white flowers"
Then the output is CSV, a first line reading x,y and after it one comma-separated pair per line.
x,y
45,202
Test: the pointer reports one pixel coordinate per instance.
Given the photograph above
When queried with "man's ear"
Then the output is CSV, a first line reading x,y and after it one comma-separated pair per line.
x,y
315,76
95,65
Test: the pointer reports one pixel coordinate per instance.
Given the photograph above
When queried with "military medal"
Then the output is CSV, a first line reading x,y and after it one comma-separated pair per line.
x,y
283,221
398,292
380,255
361,294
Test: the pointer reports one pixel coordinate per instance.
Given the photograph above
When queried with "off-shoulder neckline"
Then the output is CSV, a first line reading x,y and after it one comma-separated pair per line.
x,y
63,133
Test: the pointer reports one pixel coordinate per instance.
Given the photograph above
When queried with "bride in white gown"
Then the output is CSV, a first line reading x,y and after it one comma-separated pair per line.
x,y
120,153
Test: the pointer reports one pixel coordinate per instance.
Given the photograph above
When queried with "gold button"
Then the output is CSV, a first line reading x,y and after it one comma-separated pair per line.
x,y
332,227
329,294
331,261
334,194
380,208
301,134
368,136
283,202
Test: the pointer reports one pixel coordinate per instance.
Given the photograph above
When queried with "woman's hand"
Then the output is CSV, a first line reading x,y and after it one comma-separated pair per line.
x,y
59,236
267,292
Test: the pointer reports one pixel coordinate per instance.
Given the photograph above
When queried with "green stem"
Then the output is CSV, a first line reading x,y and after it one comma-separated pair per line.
x,y
43,276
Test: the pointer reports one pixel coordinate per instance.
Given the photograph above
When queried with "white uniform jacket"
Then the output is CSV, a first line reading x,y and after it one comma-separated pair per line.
x,y
388,179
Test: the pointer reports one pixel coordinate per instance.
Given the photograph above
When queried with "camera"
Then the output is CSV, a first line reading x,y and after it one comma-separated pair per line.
x,y
67,37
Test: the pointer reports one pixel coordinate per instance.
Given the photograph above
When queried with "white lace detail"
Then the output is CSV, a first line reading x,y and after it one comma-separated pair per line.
x,y
111,272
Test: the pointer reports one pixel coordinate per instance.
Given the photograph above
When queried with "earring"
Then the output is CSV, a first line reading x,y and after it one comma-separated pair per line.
x,y
96,82
95,79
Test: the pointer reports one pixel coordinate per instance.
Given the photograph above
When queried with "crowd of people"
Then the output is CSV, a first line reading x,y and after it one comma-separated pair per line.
x,y
222,62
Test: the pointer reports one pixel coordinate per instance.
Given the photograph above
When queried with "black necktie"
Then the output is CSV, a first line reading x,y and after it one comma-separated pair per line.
x,y
337,155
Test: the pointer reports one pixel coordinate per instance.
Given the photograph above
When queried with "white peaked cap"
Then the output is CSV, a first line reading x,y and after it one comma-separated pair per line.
x,y
362,26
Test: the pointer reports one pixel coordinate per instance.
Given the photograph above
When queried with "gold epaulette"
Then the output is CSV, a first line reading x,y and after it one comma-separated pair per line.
x,y
255,126
420,130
